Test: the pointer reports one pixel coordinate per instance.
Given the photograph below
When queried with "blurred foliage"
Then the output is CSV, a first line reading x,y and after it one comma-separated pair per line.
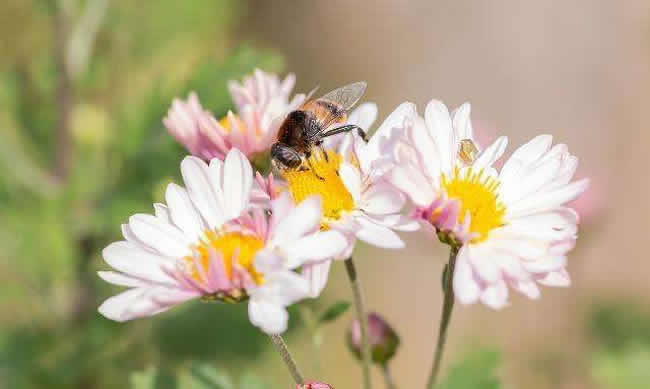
x,y
477,370
84,86
196,376
621,336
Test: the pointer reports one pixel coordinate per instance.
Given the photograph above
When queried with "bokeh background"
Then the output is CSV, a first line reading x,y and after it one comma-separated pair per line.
x,y
84,86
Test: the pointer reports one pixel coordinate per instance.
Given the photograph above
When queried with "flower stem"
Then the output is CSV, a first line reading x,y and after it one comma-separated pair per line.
x,y
363,321
287,358
447,306
388,377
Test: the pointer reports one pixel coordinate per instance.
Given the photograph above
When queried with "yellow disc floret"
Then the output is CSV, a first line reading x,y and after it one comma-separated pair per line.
x,y
230,245
477,194
320,177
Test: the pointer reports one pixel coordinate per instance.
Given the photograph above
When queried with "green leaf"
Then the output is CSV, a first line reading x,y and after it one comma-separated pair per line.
x,y
333,312
475,371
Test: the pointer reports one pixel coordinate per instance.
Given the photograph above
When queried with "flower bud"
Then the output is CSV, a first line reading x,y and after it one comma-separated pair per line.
x,y
382,338
314,385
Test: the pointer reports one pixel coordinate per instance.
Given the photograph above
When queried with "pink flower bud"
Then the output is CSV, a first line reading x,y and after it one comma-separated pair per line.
x,y
314,385
383,339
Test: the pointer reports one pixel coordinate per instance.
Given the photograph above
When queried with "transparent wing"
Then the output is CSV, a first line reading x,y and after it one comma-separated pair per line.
x,y
346,96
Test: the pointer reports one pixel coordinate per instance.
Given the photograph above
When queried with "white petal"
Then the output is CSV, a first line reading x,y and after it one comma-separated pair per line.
x,y
412,183
162,213
200,186
378,235
392,126
315,247
547,200
119,307
163,237
238,181
484,265
270,318
528,288
462,122
120,279
352,180
438,122
495,296
364,115
466,288
546,264
427,154
382,199
491,154
303,219
133,261
525,155
182,212
316,275
558,278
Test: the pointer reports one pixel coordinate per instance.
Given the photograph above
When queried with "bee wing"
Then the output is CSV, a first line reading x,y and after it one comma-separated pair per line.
x,y
334,105
346,96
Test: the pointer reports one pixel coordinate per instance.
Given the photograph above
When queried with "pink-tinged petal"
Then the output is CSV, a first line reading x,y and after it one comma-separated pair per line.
x,y
466,288
201,190
316,275
495,295
352,180
517,245
462,122
129,236
238,181
133,261
315,247
217,276
165,238
527,288
412,183
548,200
119,307
510,265
484,267
547,264
268,260
270,318
439,124
558,278
182,212
392,127
382,199
363,116
491,154
396,222
378,235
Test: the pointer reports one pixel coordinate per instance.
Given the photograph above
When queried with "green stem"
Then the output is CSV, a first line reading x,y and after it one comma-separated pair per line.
x,y
288,359
388,377
363,321
447,307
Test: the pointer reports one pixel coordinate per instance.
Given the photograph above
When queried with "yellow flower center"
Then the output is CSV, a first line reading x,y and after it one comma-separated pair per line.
x,y
321,177
477,194
226,124
232,246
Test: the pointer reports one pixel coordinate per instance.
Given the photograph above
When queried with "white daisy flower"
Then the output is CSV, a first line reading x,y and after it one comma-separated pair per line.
x,y
511,227
206,242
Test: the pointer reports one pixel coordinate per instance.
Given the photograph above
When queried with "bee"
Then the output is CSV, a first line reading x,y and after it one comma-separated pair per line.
x,y
305,128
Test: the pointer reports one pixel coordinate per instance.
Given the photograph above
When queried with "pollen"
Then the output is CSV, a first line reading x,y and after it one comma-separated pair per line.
x,y
234,247
477,194
320,176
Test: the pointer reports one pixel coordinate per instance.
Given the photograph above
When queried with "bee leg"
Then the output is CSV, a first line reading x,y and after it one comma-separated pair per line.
x,y
346,128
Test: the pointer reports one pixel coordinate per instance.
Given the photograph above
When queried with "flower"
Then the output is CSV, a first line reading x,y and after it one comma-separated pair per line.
x,y
207,242
314,385
348,175
511,227
382,338
261,100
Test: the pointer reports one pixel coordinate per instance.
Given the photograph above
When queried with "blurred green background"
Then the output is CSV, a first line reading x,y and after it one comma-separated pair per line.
x,y
84,85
